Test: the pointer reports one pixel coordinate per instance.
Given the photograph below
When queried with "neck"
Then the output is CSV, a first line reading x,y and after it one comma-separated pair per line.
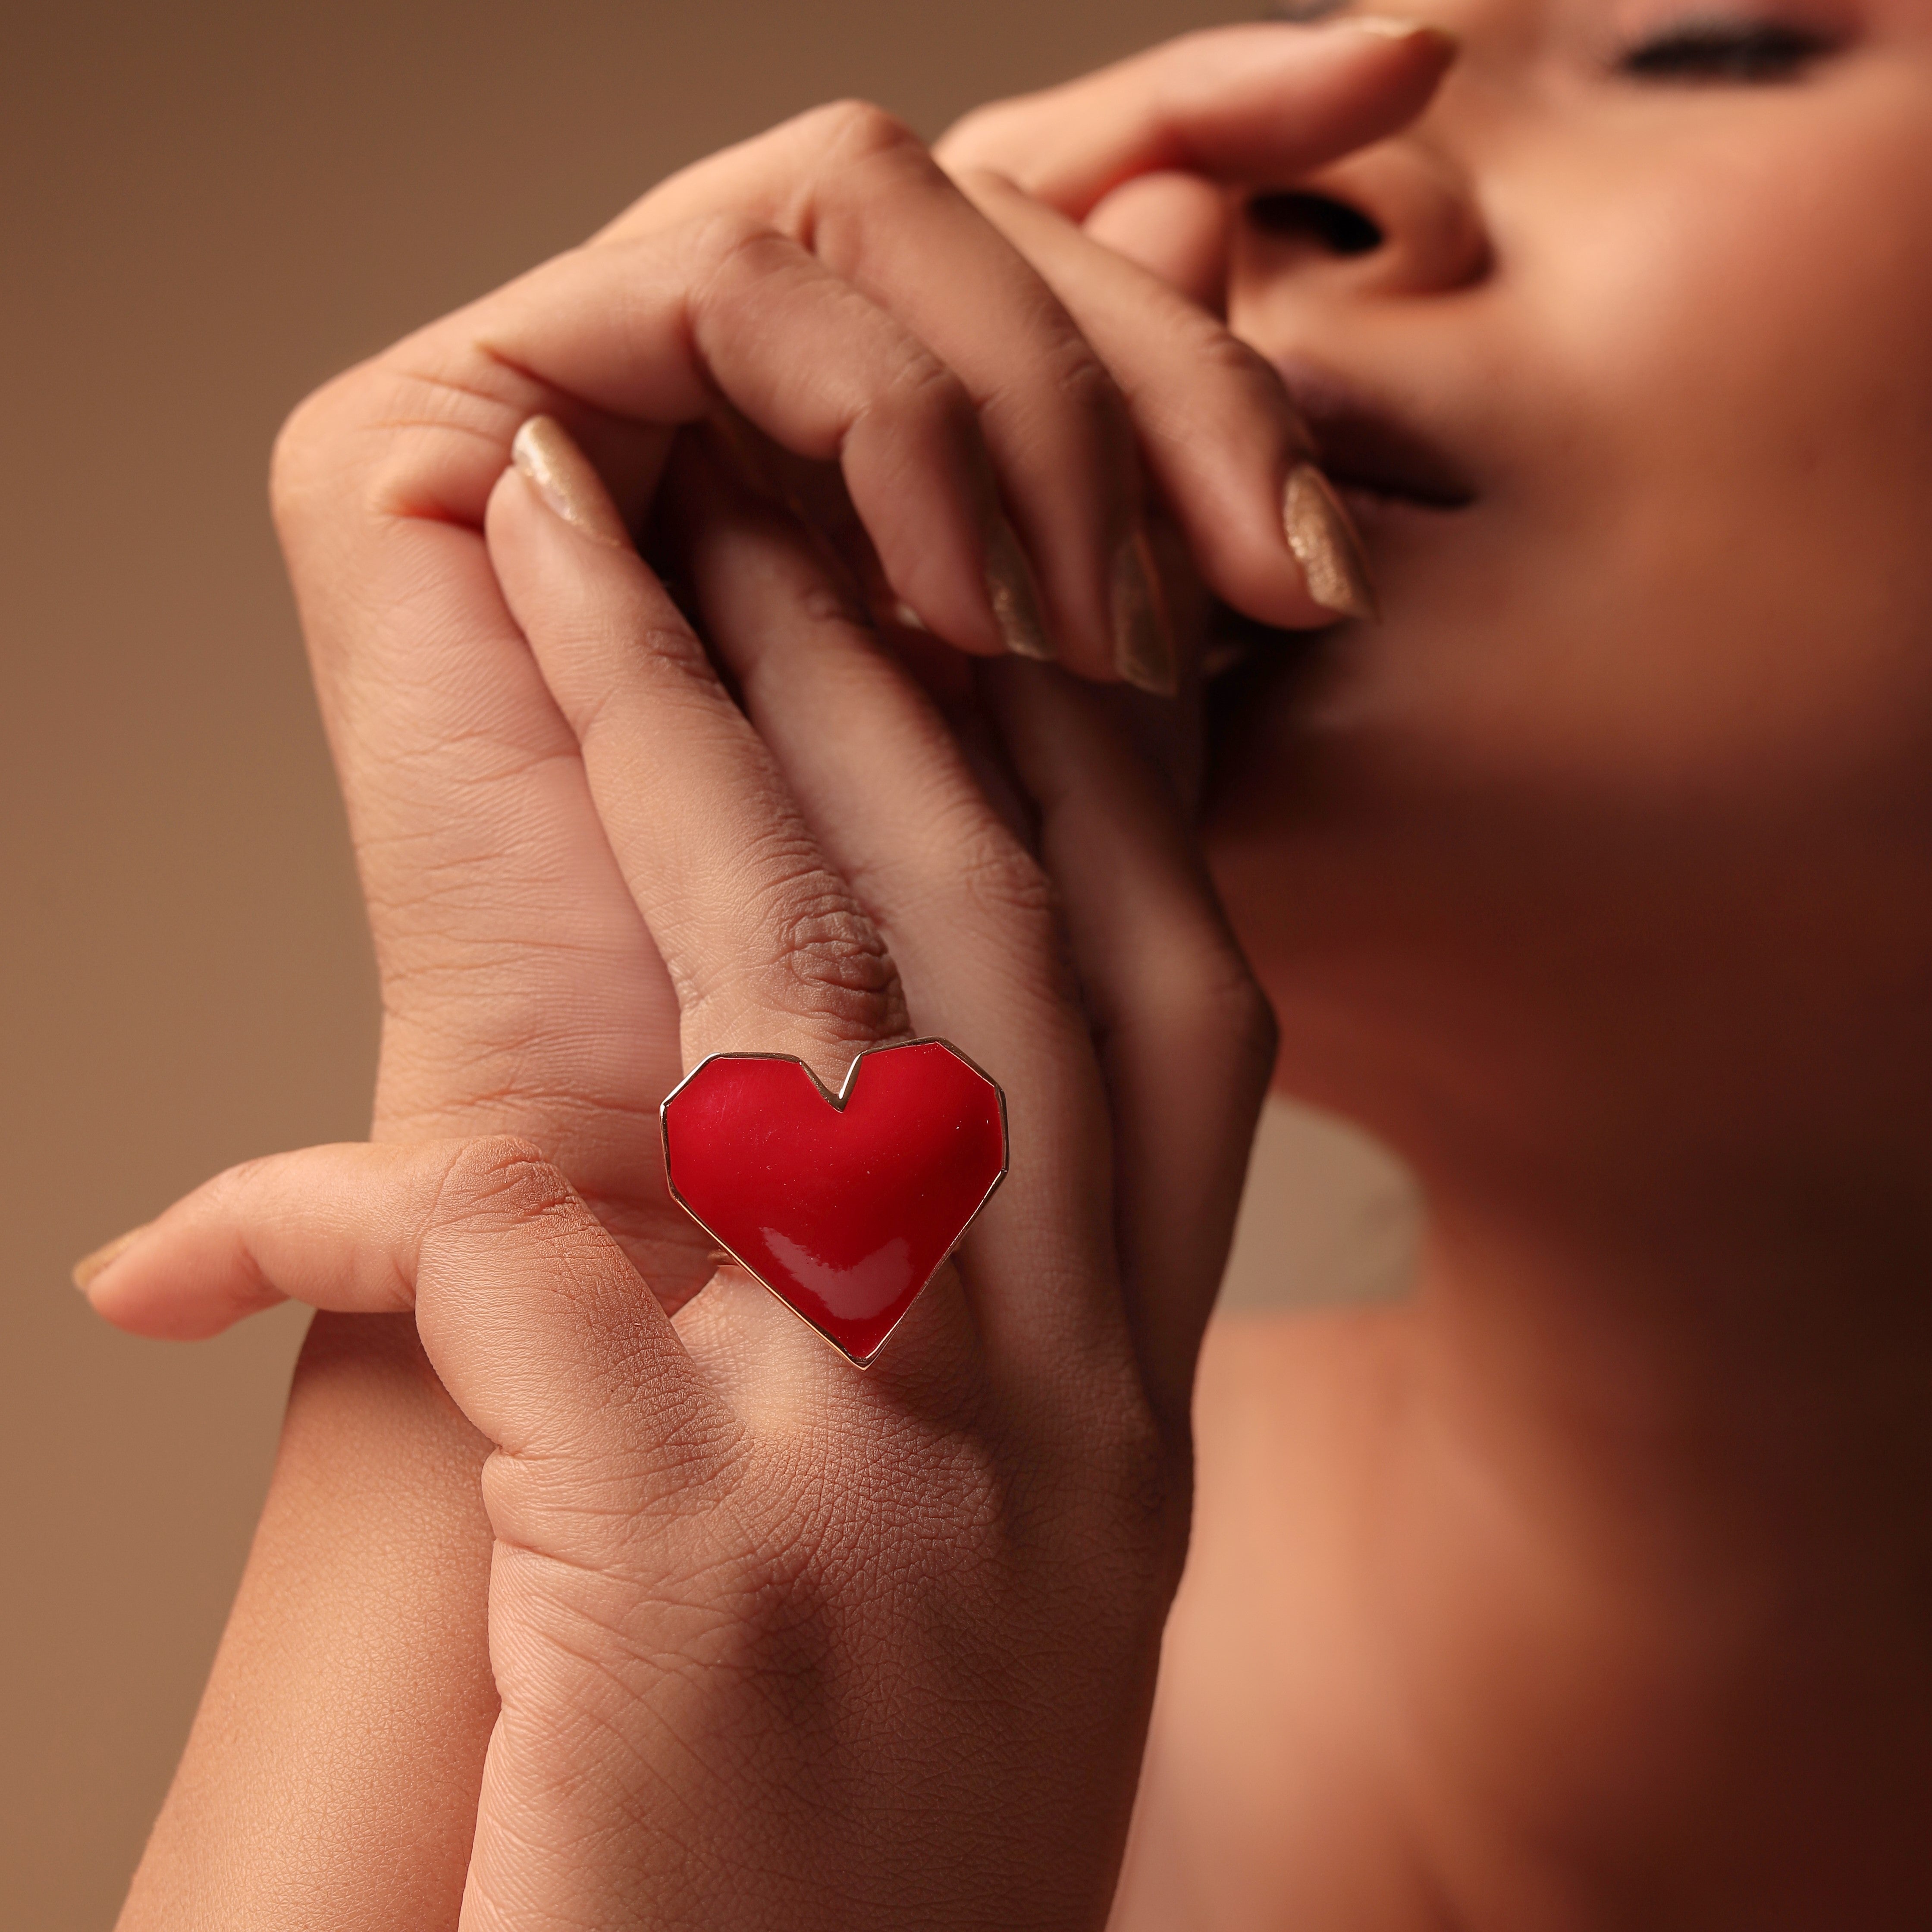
x,y
1675,1142
1644,1538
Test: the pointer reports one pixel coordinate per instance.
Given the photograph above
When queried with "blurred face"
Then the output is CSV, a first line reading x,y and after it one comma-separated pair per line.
x,y
1625,353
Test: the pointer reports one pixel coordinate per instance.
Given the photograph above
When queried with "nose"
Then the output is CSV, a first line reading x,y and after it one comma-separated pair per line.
x,y
1394,219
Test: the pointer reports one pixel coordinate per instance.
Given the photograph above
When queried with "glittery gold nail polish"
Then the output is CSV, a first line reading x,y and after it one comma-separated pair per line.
x,y
90,1266
1014,593
562,475
1144,653
1324,543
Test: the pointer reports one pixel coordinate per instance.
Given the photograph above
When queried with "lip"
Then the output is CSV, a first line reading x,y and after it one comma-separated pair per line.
x,y
1375,459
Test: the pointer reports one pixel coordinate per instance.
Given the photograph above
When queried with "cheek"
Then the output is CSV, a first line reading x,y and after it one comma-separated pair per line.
x,y
1749,310
1711,565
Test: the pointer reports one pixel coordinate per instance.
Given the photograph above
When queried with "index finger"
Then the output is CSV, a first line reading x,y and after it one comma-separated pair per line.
x,y
1260,105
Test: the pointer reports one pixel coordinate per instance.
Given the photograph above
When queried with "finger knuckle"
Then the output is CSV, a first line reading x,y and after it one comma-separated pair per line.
x,y
814,954
231,1187
1085,387
306,453
1135,1484
1239,1012
1082,379
1151,1492
504,1180
1226,360
1192,984
830,963
1222,1011
1003,884
384,440
725,239
921,390
854,130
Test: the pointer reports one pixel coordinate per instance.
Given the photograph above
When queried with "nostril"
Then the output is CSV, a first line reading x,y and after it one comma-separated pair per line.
x,y
1341,229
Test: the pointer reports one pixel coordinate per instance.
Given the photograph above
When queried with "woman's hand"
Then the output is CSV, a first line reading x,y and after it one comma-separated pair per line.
x,y
847,298
780,1643
986,406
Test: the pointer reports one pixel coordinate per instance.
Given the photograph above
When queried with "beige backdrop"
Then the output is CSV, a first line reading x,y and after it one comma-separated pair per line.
x,y
207,211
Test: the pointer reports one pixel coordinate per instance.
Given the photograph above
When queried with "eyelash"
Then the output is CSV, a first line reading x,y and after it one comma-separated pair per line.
x,y
1754,52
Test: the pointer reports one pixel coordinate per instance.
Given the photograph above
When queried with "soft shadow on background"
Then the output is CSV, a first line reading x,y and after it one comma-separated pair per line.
x,y
208,211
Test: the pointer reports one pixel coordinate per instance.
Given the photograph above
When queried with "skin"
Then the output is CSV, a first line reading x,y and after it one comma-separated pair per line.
x,y
1589,1589
748,1606
523,991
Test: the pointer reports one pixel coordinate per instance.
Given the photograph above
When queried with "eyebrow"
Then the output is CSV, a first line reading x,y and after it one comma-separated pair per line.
x,y
1297,11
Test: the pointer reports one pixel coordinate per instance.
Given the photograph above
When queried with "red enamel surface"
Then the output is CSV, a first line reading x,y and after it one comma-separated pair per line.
x,y
844,1212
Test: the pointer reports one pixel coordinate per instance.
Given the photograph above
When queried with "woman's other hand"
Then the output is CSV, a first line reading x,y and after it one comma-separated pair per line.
x,y
780,1643
829,282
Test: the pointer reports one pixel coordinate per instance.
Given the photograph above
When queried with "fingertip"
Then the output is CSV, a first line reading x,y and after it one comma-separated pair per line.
x,y
1409,58
563,479
1331,86
1258,52
128,1294
1424,38
91,1267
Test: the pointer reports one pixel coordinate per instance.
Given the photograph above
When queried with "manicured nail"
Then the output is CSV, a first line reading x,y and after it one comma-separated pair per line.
x,y
1143,643
1014,592
1325,544
89,1266
1392,27
561,474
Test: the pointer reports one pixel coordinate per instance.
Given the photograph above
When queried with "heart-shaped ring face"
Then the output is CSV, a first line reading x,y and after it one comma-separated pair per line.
x,y
844,1205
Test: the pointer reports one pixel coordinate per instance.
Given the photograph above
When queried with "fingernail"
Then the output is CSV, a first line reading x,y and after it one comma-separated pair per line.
x,y
561,474
1014,592
1143,644
89,1266
1325,544
1392,27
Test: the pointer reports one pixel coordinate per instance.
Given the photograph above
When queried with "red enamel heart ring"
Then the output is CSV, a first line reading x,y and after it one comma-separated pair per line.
x,y
844,1205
